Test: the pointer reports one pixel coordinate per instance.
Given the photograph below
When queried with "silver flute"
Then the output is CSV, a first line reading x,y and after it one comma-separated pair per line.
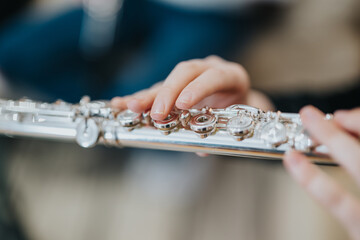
x,y
238,130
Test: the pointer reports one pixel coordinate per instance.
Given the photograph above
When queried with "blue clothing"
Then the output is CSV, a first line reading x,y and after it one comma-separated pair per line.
x,y
150,40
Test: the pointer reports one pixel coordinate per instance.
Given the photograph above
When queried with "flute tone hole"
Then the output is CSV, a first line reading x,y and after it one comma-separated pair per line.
x,y
202,119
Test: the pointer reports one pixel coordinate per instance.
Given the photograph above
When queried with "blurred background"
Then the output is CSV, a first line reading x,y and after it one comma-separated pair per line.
x,y
298,52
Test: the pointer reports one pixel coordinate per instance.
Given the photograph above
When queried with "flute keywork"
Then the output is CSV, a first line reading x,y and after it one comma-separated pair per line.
x,y
237,130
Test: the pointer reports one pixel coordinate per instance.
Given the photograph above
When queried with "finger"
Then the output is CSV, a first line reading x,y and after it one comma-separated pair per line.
x,y
143,97
215,60
143,100
344,148
227,99
201,154
119,102
178,79
211,81
349,120
340,203
140,104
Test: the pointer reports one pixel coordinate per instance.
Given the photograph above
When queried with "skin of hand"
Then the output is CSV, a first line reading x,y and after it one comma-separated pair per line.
x,y
218,83
196,83
341,137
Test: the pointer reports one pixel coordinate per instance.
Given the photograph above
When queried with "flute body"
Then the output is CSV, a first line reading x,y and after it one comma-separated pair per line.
x,y
238,130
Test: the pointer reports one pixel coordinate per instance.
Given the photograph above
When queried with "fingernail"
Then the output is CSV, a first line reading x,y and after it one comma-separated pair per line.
x,y
310,113
158,109
185,98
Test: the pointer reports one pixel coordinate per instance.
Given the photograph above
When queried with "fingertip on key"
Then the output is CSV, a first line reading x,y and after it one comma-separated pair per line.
x,y
116,101
307,111
310,114
135,105
158,111
157,115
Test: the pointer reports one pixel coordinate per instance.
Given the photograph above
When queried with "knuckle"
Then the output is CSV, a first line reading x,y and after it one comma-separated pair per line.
x,y
236,67
214,58
238,70
219,72
156,85
196,61
191,64
116,99
181,66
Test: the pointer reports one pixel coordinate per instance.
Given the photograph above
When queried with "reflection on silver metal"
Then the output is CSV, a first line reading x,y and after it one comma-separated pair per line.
x,y
109,131
264,135
298,138
169,124
129,119
274,133
185,118
203,124
87,133
241,126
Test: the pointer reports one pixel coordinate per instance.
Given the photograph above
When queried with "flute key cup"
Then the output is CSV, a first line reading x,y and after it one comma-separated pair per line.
x,y
169,124
241,127
203,124
129,120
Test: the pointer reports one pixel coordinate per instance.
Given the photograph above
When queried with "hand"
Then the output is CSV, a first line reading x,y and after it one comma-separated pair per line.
x,y
341,137
211,81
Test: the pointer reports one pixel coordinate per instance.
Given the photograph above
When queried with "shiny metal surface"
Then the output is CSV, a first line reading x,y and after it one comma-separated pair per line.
x,y
237,131
87,133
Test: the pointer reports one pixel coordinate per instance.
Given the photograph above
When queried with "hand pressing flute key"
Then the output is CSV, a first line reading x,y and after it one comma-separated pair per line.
x,y
217,83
